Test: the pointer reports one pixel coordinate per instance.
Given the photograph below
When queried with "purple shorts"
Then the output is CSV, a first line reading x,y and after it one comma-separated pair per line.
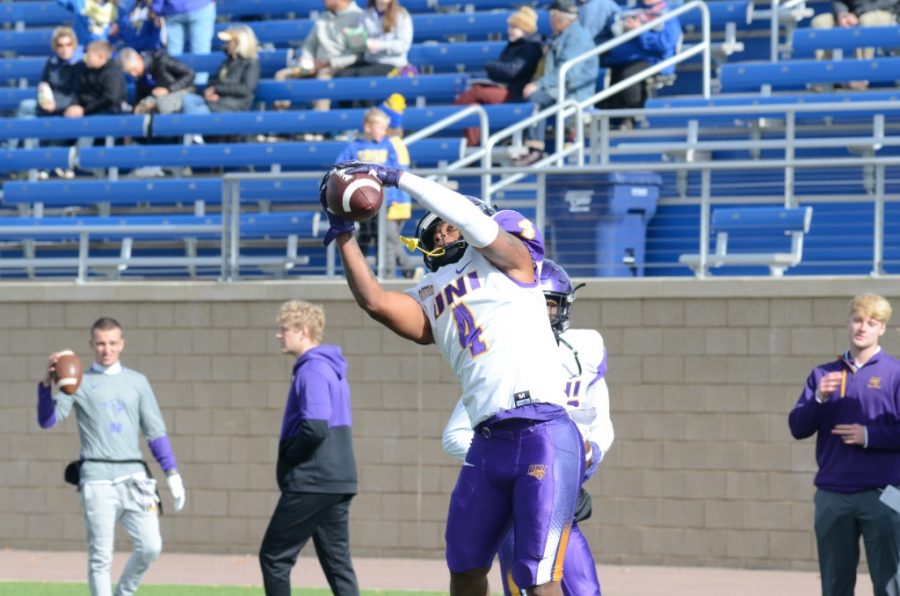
x,y
520,475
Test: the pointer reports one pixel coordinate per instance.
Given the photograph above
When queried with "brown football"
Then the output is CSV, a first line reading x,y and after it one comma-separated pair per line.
x,y
68,372
356,197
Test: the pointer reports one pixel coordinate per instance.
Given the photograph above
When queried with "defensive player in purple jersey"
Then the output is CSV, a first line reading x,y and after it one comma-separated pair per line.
x,y
584,363
481,305
852,405
316,469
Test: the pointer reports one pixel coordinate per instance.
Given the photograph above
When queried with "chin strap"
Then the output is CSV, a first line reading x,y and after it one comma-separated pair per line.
x,y
412,245
574,352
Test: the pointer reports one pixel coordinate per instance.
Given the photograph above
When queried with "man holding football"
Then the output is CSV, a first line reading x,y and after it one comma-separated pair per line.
x,y
113,406
482,305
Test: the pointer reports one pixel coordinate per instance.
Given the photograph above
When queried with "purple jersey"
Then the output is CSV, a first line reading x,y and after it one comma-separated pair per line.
x,y
870,396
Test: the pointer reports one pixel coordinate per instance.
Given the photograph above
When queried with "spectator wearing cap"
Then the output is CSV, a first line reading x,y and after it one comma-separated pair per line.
x,y
508,74
570,39
233,86
635,55
335,42
387,30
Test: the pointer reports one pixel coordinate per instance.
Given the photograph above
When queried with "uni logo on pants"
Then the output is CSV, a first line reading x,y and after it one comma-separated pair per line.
x,y
537,470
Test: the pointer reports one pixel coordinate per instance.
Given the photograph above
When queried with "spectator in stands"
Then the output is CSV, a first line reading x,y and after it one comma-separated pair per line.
x,y
334,43
140,28
233,86
377,147
635,55
598,17
570,39
102,86
162,81
189,23
387,30
508,74
857,13
92,19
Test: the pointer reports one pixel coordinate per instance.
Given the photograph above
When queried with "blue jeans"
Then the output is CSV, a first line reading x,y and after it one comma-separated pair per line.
x,y
534,135
194,104
27,109
197,28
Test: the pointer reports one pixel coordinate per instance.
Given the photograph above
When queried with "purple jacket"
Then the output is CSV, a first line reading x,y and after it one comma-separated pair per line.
x,y
872,398
315,452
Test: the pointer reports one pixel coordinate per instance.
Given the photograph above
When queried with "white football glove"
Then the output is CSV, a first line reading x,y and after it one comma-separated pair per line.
x,y
176,487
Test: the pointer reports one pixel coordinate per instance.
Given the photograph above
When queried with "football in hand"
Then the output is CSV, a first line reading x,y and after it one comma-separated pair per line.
x,y
68,372
356,197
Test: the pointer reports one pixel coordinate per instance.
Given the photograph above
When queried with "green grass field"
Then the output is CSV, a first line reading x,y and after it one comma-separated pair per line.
x,y
64,589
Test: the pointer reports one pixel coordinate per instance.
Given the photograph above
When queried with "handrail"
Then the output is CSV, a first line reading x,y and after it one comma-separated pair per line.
x,y
703,46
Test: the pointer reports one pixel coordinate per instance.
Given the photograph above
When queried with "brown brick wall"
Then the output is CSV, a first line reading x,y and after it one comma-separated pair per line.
x,y
703,470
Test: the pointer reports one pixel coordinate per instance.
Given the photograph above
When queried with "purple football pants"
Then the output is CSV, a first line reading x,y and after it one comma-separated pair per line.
x,y
523,476
579,572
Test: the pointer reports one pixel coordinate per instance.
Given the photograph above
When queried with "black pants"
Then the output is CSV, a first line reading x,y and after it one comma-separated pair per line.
x,y
297,517
630,97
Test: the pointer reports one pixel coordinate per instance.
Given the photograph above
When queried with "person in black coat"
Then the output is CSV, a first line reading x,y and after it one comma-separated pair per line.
x,y
102,88
509,74
233,87
161,80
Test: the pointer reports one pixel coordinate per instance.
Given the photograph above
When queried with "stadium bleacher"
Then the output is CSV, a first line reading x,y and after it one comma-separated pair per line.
x,y
453,38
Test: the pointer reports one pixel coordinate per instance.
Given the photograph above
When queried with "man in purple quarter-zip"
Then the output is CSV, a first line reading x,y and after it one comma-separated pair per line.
x,y
316,469
852,404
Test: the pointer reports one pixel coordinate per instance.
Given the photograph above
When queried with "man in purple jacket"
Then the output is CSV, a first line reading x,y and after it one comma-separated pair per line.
x,y
852,404
316,469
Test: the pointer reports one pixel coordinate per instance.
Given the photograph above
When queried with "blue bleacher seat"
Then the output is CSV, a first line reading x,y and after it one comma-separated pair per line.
x,y
34,14
805,41
761,228
51,128
721,12
240,155
792,74
18,160
311,121
440,87
160,192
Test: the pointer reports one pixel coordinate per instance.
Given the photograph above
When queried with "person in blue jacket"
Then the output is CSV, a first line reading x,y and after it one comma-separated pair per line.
x,y
635,55
376,146
852,405
92,20
316,468
570,39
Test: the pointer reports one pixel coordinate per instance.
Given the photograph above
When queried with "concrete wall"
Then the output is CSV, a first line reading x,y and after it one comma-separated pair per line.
x,y
702,375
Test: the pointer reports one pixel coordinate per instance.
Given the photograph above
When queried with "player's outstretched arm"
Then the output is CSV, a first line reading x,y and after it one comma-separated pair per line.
x,y
396,311
507,252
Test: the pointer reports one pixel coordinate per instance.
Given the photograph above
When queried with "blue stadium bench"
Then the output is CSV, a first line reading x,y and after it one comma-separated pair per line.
x,y
757,228
314,155
753,76
162,192
52,128
805,41
721,13
33,14
338,120
69,241
433,88
20,160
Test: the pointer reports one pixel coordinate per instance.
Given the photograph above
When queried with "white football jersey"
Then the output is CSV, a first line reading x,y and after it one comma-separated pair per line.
x,y
494,333
584,360
586,388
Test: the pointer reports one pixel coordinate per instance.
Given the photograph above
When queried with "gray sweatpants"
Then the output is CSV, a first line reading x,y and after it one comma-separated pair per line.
x,y
104,504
